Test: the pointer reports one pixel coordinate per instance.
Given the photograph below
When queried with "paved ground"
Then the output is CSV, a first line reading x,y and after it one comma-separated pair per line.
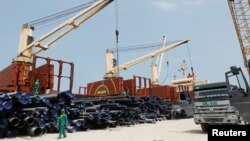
x,y
169,130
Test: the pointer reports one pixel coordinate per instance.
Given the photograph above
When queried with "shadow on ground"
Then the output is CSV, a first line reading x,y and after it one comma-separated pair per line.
x,y
194,131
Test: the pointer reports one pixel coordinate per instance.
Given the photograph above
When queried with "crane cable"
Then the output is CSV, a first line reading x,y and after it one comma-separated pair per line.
x,y
190,60
60,15
166,77
141,46
117,34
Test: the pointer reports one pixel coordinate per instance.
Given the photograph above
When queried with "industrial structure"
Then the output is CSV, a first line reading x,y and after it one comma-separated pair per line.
x,y
187,81
227,102
24,112
240,11
138,86
22,73
113,101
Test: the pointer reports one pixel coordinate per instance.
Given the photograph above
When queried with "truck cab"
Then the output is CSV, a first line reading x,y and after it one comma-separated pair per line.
x,y
239,92
222,102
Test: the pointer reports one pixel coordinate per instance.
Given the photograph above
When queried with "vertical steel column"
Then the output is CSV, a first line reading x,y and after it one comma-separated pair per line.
x,y
49,74
134,86
71,77
59,75
145,86
150,89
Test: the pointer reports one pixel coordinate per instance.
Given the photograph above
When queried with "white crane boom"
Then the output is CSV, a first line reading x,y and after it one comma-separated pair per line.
x,y
27,47
111,71
157,65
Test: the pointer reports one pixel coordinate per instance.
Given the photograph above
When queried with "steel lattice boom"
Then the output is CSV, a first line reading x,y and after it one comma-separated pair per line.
x,y
240,11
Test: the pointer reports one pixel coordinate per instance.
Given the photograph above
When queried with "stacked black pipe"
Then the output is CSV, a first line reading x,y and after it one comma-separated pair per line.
x,y
26,114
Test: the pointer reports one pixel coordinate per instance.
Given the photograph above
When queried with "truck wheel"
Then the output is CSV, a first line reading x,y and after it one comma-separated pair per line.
x,y
241,121
204,127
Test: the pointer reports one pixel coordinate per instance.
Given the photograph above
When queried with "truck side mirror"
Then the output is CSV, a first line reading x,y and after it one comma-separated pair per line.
x,y
234,70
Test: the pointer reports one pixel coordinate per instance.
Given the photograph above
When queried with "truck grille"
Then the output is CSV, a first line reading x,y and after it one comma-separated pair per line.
x,y
212,110
213,119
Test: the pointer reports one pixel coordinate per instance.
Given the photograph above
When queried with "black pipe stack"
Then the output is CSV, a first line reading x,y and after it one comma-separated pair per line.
x,y
26,114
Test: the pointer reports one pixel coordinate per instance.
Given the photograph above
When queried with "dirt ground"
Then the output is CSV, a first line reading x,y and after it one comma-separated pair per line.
x,y
169,130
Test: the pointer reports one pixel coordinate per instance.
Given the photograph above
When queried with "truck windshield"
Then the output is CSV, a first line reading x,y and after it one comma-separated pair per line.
x,y
207,93
216,94
237,82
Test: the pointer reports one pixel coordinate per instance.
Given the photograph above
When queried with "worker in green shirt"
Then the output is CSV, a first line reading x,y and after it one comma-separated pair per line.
x,y
36,87
126,92
62,122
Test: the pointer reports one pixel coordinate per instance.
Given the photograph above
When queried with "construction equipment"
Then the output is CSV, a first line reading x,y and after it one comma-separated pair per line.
x,y
112,70
223,103
240,11
182,102
227,102
157,66
27,46
138,85
19,76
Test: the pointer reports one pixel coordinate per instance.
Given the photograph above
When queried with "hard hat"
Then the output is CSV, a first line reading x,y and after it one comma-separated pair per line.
x,y
62,111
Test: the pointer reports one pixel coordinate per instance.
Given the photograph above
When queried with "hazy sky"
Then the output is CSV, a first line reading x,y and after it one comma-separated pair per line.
x,y
214,46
